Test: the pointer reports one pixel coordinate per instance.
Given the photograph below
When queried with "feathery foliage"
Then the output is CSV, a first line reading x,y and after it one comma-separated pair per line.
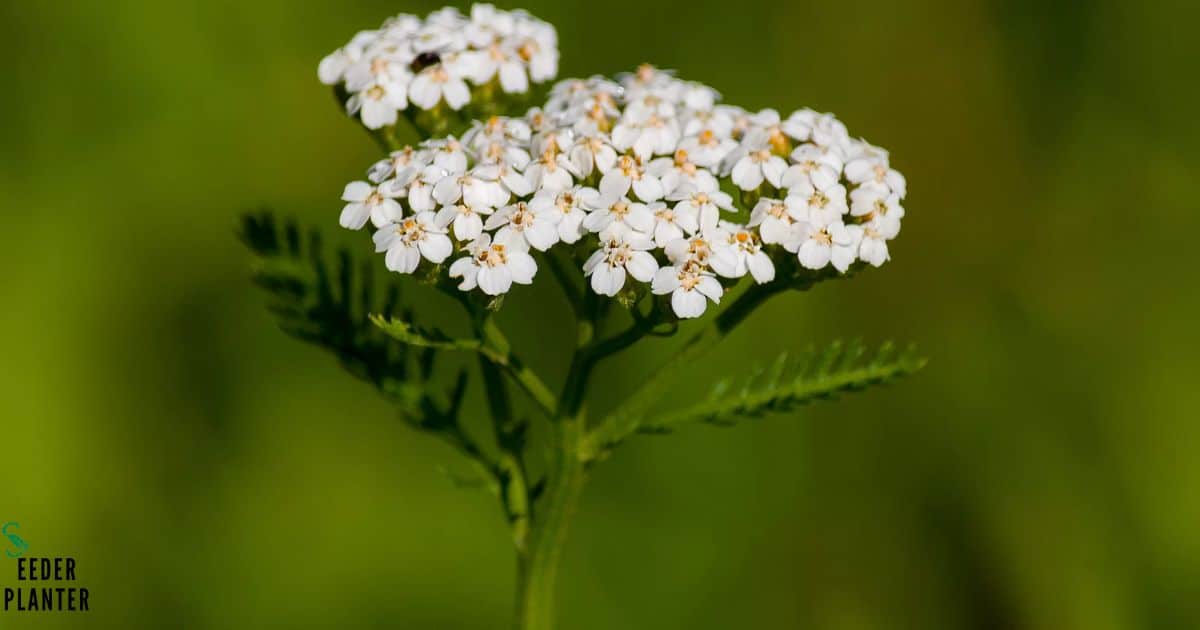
x,y
780,387
329,304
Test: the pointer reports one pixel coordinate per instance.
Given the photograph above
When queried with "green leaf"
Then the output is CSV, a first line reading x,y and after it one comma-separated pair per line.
x,y
413,335
779,387
328,301
791,382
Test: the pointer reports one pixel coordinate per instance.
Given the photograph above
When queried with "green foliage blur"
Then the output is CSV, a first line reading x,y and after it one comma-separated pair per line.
x,y
208,472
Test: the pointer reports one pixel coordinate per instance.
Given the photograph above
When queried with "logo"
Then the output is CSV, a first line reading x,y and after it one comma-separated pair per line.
x,y
20,546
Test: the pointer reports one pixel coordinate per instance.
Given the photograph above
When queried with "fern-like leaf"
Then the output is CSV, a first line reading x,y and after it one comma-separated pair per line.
x,y
789,382
330,305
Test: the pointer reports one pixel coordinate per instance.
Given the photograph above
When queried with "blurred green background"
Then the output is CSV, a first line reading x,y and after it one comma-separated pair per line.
x,y
208,472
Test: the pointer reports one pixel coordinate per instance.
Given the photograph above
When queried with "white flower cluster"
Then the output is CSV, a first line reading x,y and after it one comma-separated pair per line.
x,y
425,62
635,168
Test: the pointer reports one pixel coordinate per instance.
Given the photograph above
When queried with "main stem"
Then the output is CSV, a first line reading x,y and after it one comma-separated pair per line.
x,y
538,564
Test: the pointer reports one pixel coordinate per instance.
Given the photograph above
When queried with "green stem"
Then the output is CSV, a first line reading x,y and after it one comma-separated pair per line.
x,y
565,477
622,422
538,565
499,351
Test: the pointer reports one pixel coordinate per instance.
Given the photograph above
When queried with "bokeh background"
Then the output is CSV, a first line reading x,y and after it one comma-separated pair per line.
x,y
208,472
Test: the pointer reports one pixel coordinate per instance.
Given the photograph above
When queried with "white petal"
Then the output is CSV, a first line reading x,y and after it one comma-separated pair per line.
x,y
386,212
607,280
522,267
773,169
354,216
357,191
457,94
423,92
642,266
402,259
710,288
688,304
648,188
569,229
747,175
494,280
761,267
447,191
614,184
813,255
513,79
640,218
665,281
541,235
436,248
724,261
467,227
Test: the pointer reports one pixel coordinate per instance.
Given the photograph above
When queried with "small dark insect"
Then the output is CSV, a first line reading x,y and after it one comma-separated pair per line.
x,y
424,60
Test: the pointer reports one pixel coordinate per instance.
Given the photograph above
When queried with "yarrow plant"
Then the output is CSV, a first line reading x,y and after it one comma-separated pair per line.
x,y
644,196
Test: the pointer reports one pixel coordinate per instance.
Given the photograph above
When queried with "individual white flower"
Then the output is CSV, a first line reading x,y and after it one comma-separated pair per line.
x,y
483,65
570,206
819,205
556,140
699,97
507,153
420,188
521,227
719,121
551,172
436,82
697,250
629,173
368,202
774,219
476,188
466,219
385,67
497,129
673,223
592,153
755,163
539,121
488,22
646,136
828,131
819,245
706,206
822,167
410,240
493,267
738,250
880,206
690,289
539,49
680,171
449,154
333,67
608,266
378,104
874,169
708,148
396,163
799,125
619,218
873,248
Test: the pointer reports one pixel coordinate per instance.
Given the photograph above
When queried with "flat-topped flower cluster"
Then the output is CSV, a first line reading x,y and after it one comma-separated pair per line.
x,y
427,62
649,175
